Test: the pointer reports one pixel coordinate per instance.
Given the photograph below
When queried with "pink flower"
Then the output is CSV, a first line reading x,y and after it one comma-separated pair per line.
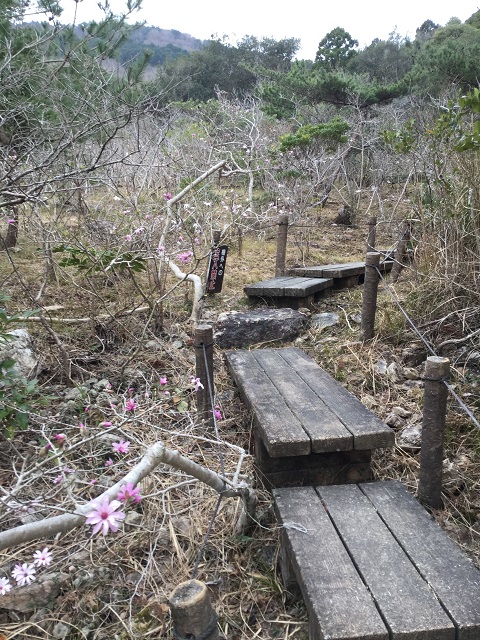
x,y
185,257
24,574
130,405
104,516
128,492
218,414
42,558
196,383
196,241
109,462
60,437
105,424
57,480
11,221
121,447
128,237
163,380
93,481
167,196
5,586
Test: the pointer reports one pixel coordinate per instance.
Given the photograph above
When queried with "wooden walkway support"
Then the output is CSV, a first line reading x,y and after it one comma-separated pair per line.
x,y
308,427
373,565
288,291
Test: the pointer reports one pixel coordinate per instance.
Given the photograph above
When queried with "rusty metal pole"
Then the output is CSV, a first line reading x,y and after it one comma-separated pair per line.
x,y
370,292
203,343
434,411
281,245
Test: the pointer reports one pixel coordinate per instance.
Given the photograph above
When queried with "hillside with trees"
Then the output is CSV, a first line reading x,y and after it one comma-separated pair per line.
x,y
114,187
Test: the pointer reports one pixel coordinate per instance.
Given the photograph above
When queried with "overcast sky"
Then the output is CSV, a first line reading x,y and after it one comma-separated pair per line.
x,y
308,20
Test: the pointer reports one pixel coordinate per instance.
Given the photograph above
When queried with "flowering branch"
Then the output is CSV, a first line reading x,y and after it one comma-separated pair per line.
x,y
155,455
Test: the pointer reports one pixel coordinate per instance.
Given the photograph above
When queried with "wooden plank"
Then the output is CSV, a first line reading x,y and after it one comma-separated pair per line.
x,y
368,431
272,287
407,604
453,577
343,270
302,287
288,286
305,272
280,430
325,430
338,602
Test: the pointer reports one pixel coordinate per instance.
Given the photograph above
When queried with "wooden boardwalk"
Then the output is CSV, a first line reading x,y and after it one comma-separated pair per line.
x,y
301,286
370,562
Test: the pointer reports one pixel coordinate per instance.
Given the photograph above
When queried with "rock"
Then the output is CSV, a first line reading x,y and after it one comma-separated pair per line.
x,y
37,594
240,329
153,345
414,354
410,438
322,320
394,421
394,373
61,630
381,367
410,374
369,402
20,347
401,412
356,318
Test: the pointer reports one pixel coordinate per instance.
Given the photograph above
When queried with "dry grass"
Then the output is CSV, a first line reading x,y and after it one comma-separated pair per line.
x,y
118,587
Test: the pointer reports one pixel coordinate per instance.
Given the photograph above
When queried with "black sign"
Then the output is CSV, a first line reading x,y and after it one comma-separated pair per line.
x,y
216,269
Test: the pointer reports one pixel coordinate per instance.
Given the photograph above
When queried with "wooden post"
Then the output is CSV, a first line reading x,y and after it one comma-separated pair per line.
x,y
434,410
203,343
281,245
192,612
370,291
401,250
216,236
372,233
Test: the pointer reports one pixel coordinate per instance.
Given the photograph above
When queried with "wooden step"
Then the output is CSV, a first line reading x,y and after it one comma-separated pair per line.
x,y
289,291
373,565
300,410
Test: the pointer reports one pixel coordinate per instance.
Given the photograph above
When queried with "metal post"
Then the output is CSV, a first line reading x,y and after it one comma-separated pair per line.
x,y
281,245
370,291
434,411
203,343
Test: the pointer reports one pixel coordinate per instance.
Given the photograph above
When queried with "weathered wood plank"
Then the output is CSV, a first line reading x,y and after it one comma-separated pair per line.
x,y
407,604
280,430
343,270
452,576
368,431
288,286
326,431
339,604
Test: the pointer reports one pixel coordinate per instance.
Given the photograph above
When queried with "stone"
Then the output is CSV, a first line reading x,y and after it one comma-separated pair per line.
x,y
401,412
410,438
322,320
243,328
20,347
35,595
410,374
394,373
381,367
61,630
394,421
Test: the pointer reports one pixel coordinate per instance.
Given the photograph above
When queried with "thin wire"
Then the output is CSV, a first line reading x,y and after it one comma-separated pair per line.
x,y
423,339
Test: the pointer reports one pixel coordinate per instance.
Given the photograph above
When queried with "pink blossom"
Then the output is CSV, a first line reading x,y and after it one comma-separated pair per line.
x,y
24,574
185,257
147,217
128,491
104,516
130,405
57,480
11,221
105,424
121,447
87,409
196,383
109,462
128,237
5,586
68,470
93,481
48,446
163,380
167,196
218,414
60,436
42,558
196,241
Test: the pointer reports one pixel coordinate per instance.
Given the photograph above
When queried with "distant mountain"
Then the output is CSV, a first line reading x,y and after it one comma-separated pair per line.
x,y
162,45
